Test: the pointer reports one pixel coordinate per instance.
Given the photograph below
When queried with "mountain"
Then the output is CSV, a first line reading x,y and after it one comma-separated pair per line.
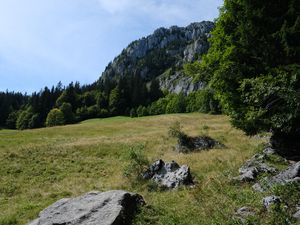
x,y
161,56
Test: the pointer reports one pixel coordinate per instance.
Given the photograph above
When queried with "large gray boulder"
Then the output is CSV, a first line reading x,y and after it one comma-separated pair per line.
x,y
169,175
93,208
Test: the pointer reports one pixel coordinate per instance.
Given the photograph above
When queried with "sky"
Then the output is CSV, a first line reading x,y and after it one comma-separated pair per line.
x,y
43,42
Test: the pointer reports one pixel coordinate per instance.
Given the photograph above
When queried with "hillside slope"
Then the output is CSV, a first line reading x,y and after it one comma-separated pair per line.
x,y
41,166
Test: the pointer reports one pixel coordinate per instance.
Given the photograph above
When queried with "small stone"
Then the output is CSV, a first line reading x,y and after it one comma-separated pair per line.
x,y
244,212
257,187
269,151
296,215
271,200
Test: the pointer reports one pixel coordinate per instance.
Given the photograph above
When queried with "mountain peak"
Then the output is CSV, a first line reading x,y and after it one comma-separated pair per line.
x,y
166,48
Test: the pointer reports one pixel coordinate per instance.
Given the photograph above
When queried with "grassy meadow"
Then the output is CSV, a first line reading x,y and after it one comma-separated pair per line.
x,y
41,166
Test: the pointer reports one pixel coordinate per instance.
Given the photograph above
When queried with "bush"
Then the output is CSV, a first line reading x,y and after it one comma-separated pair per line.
x,y
175,130
103,113
34,121
93,111
176,104
139,111
138,163
159,107
11,121
55,118
23,119
69,116
202,101
133,113
145,111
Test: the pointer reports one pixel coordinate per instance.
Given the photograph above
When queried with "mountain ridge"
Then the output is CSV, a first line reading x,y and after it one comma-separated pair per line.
x,y
167,49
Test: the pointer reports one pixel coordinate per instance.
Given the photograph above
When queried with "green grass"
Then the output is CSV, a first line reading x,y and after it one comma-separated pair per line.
x,y
38,167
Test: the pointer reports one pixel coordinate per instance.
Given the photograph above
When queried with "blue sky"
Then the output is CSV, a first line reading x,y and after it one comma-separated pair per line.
x,y
43,42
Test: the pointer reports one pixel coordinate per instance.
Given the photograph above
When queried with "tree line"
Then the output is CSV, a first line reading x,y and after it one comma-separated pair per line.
x,y
65,105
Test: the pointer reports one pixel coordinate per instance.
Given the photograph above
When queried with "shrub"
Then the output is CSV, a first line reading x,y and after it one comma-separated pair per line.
x,y
34,121
159,107
138,163
11,121
103,113
202,101
69,116
133,113
139,111
145,111
23,119
176,104
93,111
55,117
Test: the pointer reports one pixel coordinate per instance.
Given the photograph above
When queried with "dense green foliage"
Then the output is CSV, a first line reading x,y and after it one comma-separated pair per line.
x,y
55,117
199,101
130,96
77,102
253,64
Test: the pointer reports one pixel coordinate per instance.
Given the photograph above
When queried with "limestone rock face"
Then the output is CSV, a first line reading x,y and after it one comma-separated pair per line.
x,y
93,208
169,175
164,50
178,82
292,172
289,175
253,167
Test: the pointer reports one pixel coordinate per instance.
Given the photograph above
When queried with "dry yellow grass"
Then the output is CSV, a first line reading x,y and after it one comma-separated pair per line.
x,y
41,166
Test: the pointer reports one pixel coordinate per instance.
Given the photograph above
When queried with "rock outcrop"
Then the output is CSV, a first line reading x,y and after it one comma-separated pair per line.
x,y
296,215
289,175
253,167
93,208
162,55
169,175
179,82
271,200
187,144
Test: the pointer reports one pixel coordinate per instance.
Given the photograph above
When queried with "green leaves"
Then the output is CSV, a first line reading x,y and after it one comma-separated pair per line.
x,y
253,64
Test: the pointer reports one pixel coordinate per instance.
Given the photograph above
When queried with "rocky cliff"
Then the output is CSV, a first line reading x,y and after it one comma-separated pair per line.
x,y
161,56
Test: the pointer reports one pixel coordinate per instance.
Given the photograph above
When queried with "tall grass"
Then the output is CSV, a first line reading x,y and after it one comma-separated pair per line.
x,y
40,166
